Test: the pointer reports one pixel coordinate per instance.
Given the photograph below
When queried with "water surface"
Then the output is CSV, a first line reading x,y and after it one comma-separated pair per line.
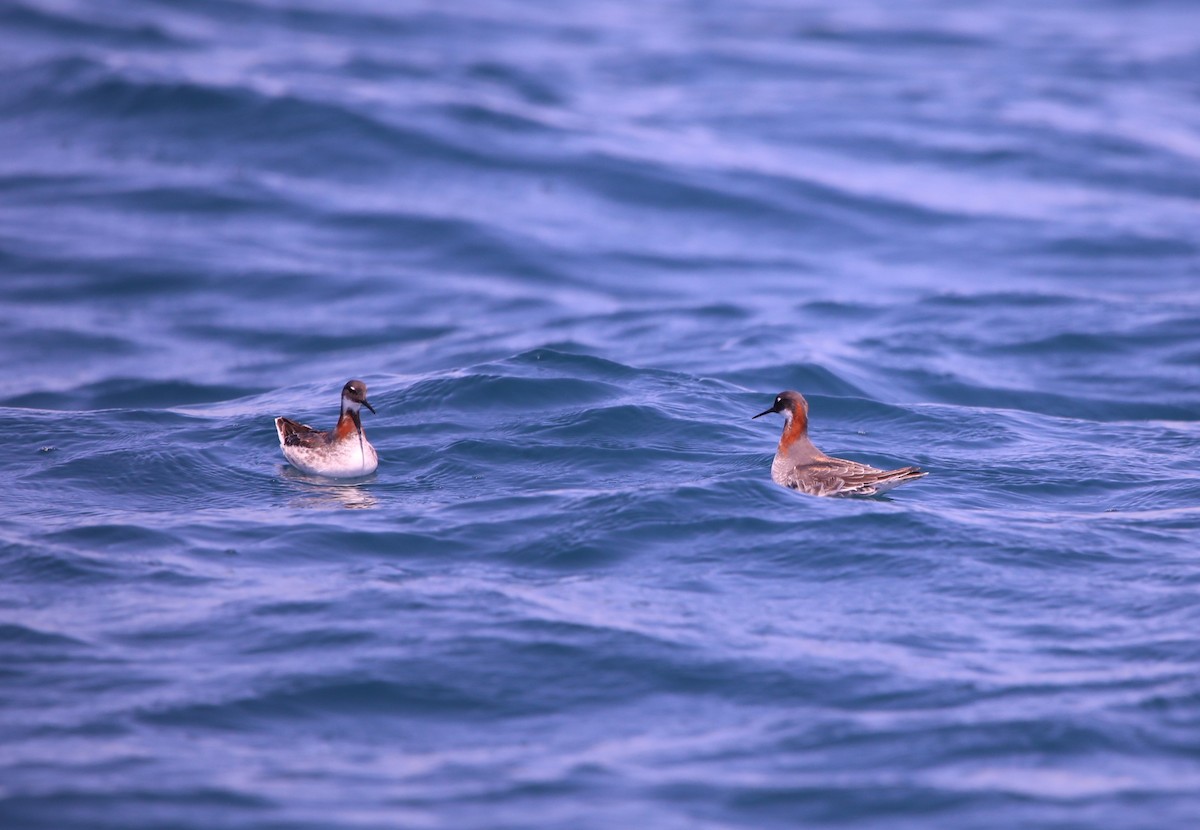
x,y
572,248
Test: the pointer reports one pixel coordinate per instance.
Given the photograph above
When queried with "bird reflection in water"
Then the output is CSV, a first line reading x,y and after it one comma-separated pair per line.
x,y
321,494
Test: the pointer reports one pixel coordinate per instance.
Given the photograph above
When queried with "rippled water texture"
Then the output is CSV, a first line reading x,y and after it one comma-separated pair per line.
x,y
572,248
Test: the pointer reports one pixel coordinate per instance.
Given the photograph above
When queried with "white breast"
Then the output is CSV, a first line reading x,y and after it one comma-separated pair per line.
x,y
342,459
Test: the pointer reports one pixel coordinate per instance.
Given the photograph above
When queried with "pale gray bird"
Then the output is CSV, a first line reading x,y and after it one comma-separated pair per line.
x,y
801,466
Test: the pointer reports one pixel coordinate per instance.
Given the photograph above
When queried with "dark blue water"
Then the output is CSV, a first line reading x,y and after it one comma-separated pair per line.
x,y
572,248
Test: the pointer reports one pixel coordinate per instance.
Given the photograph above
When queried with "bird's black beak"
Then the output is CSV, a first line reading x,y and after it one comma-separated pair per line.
x,y
367,404
768,412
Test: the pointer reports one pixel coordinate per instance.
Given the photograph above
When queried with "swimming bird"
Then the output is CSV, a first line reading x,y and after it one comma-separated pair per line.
x,y
801,466
343,452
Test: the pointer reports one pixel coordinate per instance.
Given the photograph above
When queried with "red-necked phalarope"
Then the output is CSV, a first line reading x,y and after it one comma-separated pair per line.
x,y
344,452
801,466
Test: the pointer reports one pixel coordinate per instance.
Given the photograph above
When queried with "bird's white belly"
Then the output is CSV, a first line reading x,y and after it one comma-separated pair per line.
x,y
349,458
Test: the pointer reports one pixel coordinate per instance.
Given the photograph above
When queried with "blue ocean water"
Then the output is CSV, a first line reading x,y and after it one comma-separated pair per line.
x,y
572,248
